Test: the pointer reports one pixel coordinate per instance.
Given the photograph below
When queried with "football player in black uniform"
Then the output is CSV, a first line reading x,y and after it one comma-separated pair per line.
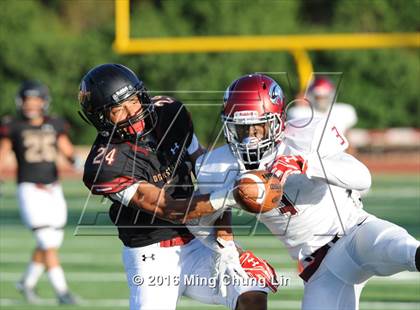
x,y
142,160
36,139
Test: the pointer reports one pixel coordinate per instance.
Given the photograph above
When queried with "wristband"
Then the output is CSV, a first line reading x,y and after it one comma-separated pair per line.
x,y
222,199
225,243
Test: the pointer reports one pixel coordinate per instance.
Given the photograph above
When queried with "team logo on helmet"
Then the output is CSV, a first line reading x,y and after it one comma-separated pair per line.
x,y
245,116
84,94
123,93
275,93
226,95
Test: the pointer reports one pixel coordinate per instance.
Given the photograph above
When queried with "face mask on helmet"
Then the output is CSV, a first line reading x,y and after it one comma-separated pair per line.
x,y
253,117
132,118
250,139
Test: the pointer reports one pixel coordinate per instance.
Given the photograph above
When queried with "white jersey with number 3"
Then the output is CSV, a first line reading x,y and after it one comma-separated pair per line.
x,y
315,206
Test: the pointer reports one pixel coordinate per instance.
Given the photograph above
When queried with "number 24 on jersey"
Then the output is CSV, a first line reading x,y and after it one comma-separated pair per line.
x,y
103,155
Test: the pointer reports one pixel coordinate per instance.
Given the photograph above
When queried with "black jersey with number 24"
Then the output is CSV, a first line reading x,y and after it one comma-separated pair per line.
x,y
160,159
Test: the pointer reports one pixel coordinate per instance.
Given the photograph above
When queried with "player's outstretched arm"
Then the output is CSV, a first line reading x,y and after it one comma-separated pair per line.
x,y
5,149
66,147
342,170
328,160
223,226
153,199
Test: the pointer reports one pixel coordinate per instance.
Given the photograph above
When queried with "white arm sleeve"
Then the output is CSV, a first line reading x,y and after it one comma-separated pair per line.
x,y
125,195
194,145
341,170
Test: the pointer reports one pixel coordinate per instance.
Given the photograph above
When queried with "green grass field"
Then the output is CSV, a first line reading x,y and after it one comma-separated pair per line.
x,y
94,270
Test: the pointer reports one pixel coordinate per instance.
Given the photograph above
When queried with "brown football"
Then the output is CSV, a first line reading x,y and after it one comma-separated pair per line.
x,y
258,191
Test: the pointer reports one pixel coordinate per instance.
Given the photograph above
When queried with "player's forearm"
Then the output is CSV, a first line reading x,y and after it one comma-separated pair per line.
x,y
2,156
5,148
188,209
66,148
201,204
223,226
155,200
341,170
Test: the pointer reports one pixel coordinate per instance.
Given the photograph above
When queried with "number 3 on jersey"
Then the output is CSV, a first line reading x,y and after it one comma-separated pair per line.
x,y
101,155
338,135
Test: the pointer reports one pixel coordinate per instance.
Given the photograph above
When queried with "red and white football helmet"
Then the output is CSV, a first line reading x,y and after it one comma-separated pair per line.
x,y
321,93
250,100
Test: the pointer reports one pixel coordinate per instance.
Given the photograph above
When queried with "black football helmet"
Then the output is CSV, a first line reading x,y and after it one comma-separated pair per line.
x,y
32,89
107,86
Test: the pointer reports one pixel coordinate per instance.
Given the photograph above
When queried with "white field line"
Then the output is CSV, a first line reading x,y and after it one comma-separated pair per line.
x,y
84,259
267,241
185,303
109,259
282,262
408,192
289,275
93,303
261,243
70,241
112,259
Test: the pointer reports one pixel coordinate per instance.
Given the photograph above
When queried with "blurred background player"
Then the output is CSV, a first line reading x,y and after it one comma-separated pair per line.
x,y
36,140
320,96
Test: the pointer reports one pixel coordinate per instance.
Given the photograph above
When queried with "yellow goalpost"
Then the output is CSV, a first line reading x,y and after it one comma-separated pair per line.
x,y
296,45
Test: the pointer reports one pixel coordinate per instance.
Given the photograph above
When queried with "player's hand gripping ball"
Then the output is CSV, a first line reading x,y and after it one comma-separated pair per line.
x,y
258,191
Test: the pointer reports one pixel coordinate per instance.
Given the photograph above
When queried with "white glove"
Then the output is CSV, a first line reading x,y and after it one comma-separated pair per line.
x,y
226,264
223,198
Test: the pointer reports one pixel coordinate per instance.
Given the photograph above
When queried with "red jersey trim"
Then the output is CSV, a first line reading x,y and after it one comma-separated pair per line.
x,y
112,187
137,148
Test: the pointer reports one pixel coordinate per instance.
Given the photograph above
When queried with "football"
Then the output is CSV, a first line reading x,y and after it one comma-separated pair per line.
x,y
258,191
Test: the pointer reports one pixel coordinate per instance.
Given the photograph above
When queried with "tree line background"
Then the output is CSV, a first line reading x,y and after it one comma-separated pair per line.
x,y
57,42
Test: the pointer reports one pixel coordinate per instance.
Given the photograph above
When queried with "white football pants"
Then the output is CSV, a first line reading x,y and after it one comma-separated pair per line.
x,y
375,248
159,276
44,211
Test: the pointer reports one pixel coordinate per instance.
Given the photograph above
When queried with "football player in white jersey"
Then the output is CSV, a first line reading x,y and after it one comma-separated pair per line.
x,y
320,219
320,96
